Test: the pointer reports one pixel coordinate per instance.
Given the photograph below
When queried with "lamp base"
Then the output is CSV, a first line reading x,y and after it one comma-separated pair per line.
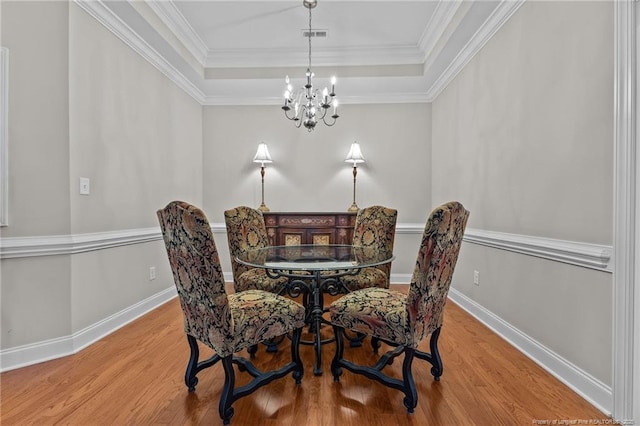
x,y
263,208
354,208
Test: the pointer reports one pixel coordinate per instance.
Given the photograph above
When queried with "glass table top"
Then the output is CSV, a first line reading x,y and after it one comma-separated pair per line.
x,y
315,257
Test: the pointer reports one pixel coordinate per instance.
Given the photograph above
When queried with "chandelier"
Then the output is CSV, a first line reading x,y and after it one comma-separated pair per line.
x,y
308,104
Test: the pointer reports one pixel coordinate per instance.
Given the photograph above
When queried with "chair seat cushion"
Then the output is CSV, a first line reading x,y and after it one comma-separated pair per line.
x,y
258,315
375,312
367,277
257,279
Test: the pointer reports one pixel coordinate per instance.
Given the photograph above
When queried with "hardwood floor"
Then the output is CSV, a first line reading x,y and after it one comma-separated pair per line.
x,y
135,376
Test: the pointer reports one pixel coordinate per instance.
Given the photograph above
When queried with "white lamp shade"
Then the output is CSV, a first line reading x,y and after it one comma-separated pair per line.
x,y
262,155
355,155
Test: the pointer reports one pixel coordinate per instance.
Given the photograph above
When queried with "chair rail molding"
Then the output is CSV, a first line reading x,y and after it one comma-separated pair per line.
x,y
587,255
14,247
51,245
576,253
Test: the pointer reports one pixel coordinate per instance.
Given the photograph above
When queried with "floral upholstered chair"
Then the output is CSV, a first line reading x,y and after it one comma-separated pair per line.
x,y
376,228
246,230
404,320
226,323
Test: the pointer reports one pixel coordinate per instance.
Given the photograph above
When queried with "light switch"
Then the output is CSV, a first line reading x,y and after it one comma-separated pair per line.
x,y
85,186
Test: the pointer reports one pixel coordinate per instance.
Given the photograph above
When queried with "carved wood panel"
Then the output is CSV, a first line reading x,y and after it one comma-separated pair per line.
x,y
293,228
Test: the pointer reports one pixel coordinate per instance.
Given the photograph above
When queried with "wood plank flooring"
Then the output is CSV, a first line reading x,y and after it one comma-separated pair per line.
x,y
135,376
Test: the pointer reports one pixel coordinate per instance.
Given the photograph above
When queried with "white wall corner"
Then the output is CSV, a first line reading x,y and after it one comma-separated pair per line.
x,y
626,297
4,136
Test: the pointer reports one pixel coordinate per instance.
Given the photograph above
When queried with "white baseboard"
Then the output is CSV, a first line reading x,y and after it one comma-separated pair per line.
x,y
22,356
585,385
590,388
400,278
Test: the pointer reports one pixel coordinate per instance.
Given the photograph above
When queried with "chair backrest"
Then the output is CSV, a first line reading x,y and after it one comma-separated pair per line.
x,y
376,227
432,275
245,230
197,273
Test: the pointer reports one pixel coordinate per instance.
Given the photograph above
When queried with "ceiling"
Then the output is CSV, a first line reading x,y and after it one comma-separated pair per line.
x,y
238,52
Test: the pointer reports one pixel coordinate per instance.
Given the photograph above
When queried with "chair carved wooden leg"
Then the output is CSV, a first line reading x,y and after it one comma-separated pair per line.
x,y
407,385
434,357
410,393
227,397
193,366
252,351
190,378
375,344
336,370
298,371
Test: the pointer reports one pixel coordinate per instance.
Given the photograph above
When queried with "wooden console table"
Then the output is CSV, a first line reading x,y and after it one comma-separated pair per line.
x,y
293,228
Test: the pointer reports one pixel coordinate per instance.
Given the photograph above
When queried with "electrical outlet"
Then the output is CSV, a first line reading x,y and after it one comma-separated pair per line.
x,y
152,273
476,277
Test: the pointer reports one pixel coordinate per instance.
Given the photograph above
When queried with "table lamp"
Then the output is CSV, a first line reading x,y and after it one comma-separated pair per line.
x,y
262,156
355,157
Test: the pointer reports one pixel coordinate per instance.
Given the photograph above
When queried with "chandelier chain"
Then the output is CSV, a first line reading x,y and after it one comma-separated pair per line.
x,y
309,35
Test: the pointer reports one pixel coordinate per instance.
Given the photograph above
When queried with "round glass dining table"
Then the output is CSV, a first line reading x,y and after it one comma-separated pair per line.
x,y
313,270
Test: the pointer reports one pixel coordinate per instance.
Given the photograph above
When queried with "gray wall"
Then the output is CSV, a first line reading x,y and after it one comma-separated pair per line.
x,y
524,137
97,110
36,292
308,172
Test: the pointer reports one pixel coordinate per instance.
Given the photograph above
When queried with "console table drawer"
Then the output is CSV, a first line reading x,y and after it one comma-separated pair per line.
x,y
293,228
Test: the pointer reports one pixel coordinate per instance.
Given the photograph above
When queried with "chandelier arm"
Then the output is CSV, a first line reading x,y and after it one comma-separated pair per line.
x,y
335,118
286,114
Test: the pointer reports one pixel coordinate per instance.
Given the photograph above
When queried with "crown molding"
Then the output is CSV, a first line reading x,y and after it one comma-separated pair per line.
x,y
98,10
346,56
252,58
373,98
498,18
440,20
177,23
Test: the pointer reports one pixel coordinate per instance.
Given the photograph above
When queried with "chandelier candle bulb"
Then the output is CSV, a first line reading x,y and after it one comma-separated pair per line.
x,y
333,86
